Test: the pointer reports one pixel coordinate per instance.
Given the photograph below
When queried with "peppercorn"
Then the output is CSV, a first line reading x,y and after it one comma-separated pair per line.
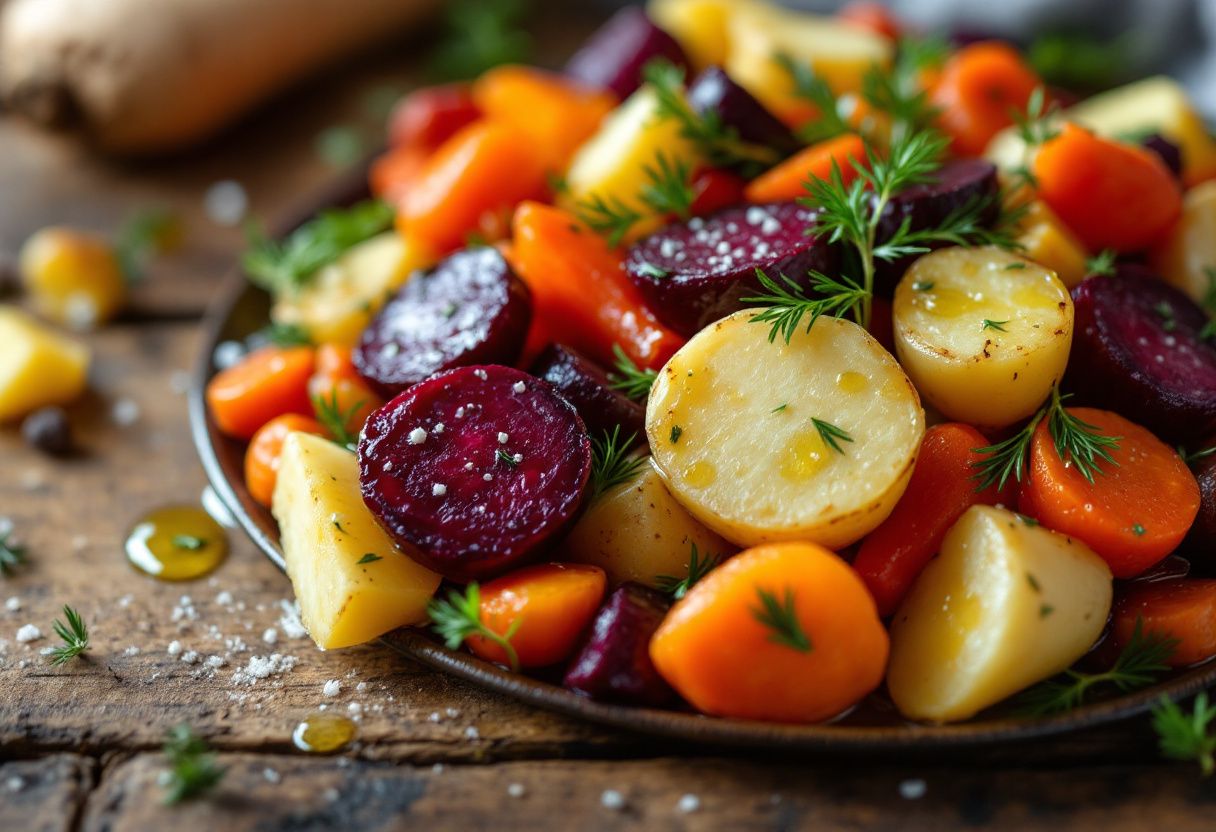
x,y
48,430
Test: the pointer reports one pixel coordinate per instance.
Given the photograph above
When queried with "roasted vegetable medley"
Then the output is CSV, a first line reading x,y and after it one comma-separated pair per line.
x,y
758,362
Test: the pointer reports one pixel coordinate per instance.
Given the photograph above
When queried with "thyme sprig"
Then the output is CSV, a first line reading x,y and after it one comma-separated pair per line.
x,y
781,618
75,636
612,461
334,419
698,568
630,379
1076,441
1184,736
192,767
459,617
831,435
786,305
11,555
1138,665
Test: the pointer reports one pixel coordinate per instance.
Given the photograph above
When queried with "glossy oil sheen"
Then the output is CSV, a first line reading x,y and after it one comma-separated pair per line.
x,y
324,733
177,543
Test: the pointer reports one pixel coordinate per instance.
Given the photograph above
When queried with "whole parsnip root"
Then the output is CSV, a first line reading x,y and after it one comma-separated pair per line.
x,y
150,76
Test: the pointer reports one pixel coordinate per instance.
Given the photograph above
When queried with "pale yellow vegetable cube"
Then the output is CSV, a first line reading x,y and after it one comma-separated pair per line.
x,y
611,166
352,583
836,51
767,441
72,277
339,301
983,333
1188,258
1048,242
38,366
639,532
700,26
1006,604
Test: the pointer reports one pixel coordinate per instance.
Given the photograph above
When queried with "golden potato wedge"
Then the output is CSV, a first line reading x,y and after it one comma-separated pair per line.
x,y
38,366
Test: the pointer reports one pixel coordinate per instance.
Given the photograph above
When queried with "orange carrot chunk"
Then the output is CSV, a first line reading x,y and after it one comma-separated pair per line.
x,y
1110,194
580,293
1180,609
785,632
788,180
266,383
1133,514
262,455
337,387
942,488
981,87
548,605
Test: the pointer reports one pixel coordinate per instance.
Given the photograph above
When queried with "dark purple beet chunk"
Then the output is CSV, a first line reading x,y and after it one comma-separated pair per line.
x,y
614,665
696,272
424,459
927,205
714,91
1201,542
1136,350
470,309
1169,152
614,56
582,382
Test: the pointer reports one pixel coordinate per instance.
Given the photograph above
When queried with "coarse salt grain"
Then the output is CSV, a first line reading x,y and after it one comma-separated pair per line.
x,y
270,635
438,427
519,387
388,466
438,489
331,688
224,599
516,790
131,651
688,803
472,733
487,476
417,436
502,438
518,458
125,412
460,412
191,657
225,203
912,789
28,633
215,662
481,374
13,604
612,799
174,648
271,775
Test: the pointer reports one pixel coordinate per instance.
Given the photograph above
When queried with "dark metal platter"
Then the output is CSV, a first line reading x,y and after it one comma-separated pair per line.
x,y
240,309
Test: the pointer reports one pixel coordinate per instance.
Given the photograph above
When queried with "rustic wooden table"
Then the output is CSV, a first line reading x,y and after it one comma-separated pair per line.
x,y
79,744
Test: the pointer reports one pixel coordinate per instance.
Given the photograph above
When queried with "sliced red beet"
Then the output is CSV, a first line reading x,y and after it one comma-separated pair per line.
x,y
470,309
614,665
957,184
1169,152
693,273
1137,350
480,468
614,56
1201,542
582,382
714,92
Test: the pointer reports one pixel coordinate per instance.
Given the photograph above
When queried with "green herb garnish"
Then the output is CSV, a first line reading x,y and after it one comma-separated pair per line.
x,y
189,542
147,232
285,335
698,568
192,767
831,435
828,122
370,557
459,617
331,415
612,462
781,618
1183,736
75,636
11,555
999,326
629,379
676,433
1075,441
611,218
480,35
669,187
505,458
1103,263
786,305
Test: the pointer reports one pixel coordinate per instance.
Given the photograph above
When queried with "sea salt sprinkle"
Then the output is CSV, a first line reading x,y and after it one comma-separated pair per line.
x,y
439,489
225,203
28,633
912,789
502,438
331,688
417,436
518,387
688,803
516,790
612,799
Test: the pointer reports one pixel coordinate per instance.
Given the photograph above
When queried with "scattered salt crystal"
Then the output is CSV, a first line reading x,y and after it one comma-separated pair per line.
x,y
451,712
912,789
272,776
519,387
434,717
174,648
14,784
13,604
191,657
289,621
439,489
224,599
215,662
131,651
460,412
331,688
362,686
516,790
179,381
260,667
28,633
227,354
771,225
518,458
472,733
487,476
125,601
612,799
388,465
688,803
437,768
330,794
125,412
354,708
502,438
417,436
481,374
270,635
468,466
225,203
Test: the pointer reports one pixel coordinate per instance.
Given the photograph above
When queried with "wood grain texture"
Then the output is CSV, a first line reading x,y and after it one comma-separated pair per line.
x,y
44,795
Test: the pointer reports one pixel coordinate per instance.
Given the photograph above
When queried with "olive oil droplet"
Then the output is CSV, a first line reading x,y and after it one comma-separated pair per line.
x,y
803,457
324,733
851,382
177,543
700,474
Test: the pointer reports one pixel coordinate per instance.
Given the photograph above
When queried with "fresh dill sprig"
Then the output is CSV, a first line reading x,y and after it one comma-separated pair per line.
x,y
479,35
609,217
188,542
1076,442
786,305
284,335
1191,457
75,637
1035,126
286,267
331,415
629,379
999,326
145,233
11,555
1138,665
718,142
612,462
370,557
831,435
459,617
781,618
900,95
698,568
669,186
1183,736
828,123
1102,263
192,767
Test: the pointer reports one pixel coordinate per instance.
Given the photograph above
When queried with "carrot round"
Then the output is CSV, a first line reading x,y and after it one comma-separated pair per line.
x,y
555,112
483,170
1181,609
549,605
942,488
1110,194
980,88
580,292
266,383
788,180
1133,514
785,632
337,386
262,455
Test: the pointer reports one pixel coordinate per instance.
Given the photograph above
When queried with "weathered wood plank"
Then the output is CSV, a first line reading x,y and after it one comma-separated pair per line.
x,y
44,795
280,793
74,516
